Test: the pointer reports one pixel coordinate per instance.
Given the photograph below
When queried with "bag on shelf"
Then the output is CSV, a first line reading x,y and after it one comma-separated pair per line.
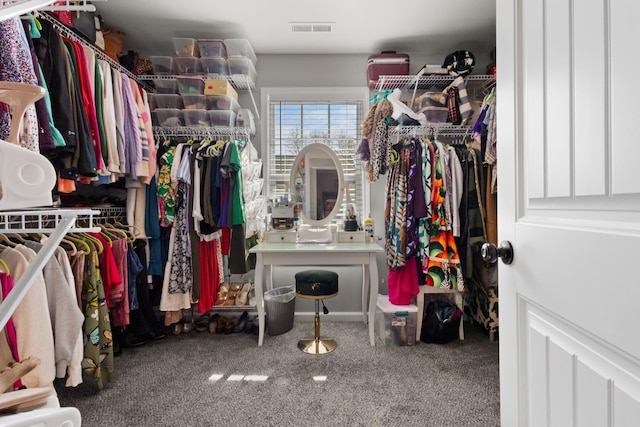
x,y
440,321
460,63
386,63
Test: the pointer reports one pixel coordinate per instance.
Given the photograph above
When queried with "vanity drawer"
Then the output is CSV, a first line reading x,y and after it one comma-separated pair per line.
x,y
351,237
281,237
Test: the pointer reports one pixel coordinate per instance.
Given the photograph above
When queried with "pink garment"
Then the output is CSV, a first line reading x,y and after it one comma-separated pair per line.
x,y
403,283
6,284
119,313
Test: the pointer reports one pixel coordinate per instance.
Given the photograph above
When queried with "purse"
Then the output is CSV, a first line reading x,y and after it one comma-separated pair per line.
x,y
441,321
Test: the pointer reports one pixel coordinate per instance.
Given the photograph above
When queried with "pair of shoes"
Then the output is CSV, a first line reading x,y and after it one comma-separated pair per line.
x,y
176,328
248,326
133,341
202,322
223,294
243,295
232,322
188,326
221,324
242,322
213,323
233,293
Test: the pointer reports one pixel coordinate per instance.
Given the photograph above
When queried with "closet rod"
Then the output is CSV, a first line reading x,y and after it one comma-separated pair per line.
x,y
201,131
68,33
442,130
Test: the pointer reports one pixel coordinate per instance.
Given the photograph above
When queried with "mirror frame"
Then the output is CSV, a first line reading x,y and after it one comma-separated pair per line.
x,y
336,161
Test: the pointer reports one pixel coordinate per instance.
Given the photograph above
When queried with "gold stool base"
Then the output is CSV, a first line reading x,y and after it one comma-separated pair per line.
x,y
317,346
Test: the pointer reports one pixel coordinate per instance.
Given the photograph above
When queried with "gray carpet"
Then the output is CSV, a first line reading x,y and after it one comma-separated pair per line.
x,y
166,382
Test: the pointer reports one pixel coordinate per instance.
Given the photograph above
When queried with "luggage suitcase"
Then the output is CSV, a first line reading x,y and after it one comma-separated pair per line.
x,y
386,63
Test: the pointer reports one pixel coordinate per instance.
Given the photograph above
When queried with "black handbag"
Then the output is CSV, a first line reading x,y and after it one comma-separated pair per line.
x,y
84,24
440,322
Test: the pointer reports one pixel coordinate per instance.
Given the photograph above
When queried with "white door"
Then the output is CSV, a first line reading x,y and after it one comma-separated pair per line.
x,y
569,202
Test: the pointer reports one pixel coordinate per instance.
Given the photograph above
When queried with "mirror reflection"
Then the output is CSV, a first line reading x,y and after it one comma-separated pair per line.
x,y
316,183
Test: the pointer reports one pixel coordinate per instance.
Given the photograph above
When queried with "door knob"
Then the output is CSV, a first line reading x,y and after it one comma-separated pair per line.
x,y
491,253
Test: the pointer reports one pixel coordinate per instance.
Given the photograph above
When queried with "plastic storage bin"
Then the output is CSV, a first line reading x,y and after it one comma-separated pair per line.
x,y
185,46
280,306
242,66
196,118
218,102
435,114
194,102
187,86
166,86
395,324
169,117
222,118
188,66
240,47
215,66
212,47
168,101
162,65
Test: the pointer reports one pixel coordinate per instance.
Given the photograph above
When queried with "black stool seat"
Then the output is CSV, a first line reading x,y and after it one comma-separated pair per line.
x,y
316,284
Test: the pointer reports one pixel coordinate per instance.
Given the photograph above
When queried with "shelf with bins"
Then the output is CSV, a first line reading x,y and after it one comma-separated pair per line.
x,y
435,82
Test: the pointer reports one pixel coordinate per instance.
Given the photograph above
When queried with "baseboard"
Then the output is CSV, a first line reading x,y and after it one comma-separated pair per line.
x,y
343,316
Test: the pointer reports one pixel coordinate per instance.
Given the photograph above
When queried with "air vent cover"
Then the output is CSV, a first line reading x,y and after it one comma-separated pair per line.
x,y
311,27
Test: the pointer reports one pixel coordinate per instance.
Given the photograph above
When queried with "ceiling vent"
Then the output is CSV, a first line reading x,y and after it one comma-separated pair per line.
x,y
311,27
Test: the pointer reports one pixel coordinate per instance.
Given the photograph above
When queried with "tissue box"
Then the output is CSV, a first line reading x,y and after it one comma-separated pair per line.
x,y
221,88
395,324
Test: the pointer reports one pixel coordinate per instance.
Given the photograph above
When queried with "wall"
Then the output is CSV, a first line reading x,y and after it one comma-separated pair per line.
x,y
332,71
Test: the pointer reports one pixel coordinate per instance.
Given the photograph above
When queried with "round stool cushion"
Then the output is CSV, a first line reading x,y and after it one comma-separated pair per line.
x,y
316,283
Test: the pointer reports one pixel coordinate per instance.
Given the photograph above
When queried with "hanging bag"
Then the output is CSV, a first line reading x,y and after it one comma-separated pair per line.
x,y
441,320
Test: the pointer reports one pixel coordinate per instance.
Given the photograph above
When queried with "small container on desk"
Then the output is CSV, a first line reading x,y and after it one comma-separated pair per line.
x,y
395,324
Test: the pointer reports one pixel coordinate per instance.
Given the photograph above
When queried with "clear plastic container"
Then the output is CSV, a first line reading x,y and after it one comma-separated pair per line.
x,y
166,86
184,46
162,65
194,102
169,117
222,118
242,66
215,66
240,47
219,102
212,47
190,86
188,66
436,114
196,118
168,101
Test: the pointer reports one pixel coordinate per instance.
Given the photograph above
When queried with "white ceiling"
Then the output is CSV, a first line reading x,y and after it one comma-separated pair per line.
x,y
359,26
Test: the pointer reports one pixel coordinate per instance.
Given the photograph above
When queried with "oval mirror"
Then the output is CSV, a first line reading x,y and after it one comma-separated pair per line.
x,y
316,183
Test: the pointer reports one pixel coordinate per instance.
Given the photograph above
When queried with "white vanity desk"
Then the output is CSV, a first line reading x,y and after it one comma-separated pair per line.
x,y
315,255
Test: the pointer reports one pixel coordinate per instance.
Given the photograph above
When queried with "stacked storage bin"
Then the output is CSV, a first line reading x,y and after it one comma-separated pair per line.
x,y
241,59
181,100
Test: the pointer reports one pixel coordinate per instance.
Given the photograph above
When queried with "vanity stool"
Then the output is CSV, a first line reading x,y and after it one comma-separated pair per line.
x,y
317,285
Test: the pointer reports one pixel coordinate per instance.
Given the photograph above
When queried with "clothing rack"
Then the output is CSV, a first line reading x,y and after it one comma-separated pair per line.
x,y
57,222
111,215
68,33
202,132
13,8
448,131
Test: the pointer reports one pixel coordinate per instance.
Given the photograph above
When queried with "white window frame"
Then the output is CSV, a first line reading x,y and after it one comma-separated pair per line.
x,y
275,94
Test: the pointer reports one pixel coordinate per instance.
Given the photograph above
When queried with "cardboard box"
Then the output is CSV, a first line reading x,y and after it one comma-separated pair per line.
x,y
220,87
395,324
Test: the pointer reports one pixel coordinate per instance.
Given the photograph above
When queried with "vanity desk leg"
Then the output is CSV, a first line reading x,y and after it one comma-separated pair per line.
x,y
366,289
373,295
259,291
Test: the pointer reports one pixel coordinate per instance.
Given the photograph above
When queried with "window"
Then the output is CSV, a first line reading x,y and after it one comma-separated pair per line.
x,y
297,117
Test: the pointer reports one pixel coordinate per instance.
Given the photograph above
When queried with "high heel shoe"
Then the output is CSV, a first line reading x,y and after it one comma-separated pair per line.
x,y
243,295
242,322
223,294
233,293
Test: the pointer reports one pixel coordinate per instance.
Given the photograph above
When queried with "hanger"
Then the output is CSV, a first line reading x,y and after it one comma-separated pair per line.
x,y
5,239
117,231
97,243
380,95
74,248
86,249
5,267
